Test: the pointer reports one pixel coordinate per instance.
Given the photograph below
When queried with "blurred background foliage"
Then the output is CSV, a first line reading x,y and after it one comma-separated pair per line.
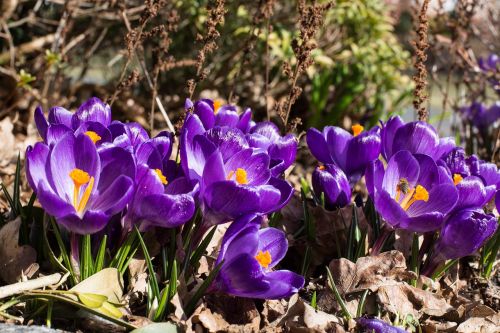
x,y
137,54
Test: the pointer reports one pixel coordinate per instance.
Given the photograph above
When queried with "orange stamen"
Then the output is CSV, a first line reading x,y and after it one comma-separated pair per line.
x,y
93,136
356,129
217,104
457,178
264,258
163,179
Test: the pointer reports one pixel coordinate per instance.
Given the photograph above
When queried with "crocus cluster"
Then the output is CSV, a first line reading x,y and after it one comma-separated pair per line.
x,y
417,181
90,170
480,115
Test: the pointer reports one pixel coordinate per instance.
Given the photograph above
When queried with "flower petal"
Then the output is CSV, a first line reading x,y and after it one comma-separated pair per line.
x,y
41,123
115,197
274,241
167,211
316,142
36,164
388,133
389,209
442,199
59,115
401,165
417,137
423,223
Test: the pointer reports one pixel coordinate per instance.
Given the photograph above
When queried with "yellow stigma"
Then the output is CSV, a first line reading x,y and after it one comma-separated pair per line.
x,y
457,178
93,136
356,129
264,258
419,193
217,104
163,179
80,178
321,167
241,176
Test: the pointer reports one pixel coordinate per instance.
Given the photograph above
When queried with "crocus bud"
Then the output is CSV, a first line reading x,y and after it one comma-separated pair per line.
x,y
332,181
463,233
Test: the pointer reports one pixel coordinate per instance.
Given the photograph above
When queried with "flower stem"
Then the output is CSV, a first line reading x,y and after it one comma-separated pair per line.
x,y
379,243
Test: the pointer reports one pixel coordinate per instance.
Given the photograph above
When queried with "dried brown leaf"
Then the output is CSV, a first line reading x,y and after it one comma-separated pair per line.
x,y
404,299
480,325
15,260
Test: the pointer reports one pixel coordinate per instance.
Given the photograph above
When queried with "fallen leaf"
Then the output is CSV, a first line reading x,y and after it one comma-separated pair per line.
x,y
158,328
404,299
15,260
369,272
301,317
8,152
480,325
107,282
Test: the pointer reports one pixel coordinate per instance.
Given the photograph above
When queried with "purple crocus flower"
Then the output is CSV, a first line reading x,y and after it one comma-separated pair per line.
x,y
163,196
248,255
265,136
331,181
92,118
412,193
234,178
479,115
489,64
497,201
214,113
81,188
374,325
462,234
417,137
488,172
350,152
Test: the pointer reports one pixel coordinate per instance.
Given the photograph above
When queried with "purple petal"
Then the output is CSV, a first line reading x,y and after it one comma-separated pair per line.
x,y
36,164
445,146
91,222
115,162
267,129
374,175
374,325
283,284
41,123
52,203
284,149
242,277
417,137
148,154
246,223
471,193
115,197
244,241
423,223
401,165
59,115
361,150
98,128
55,133
429,172
389,209
317,145
167,211
286,192
274,241
442,199
256,166
244,122
92,110
226,116
388,133
205,111
214,170
334,184
338,142
229,140
163,142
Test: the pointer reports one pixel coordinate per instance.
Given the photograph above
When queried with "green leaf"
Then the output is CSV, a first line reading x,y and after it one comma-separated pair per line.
x,y
109,309
93,301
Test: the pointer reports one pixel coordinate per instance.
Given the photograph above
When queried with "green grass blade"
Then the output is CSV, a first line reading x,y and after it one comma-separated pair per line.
x,y
62,249
99,260
337,295
191,305
152,275
361,304
86,261
314,301
195,258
